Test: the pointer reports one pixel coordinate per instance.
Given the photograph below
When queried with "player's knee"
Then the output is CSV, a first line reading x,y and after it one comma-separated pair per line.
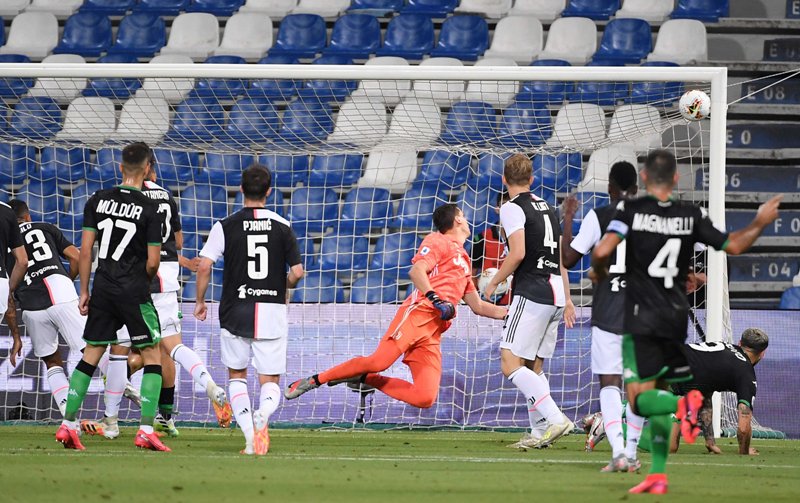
x,y
426,398
53,360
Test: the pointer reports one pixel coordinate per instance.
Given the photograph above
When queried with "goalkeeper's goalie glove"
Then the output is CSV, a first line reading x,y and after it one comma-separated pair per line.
x,y
447,311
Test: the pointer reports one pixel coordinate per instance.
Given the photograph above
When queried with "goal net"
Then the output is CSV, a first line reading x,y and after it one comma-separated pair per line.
x,y
360,157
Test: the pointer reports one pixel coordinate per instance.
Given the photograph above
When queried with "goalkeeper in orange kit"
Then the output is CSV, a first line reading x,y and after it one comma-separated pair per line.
x,y
442,271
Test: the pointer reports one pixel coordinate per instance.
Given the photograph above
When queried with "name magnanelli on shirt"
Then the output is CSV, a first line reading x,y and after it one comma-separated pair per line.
x,y
671,226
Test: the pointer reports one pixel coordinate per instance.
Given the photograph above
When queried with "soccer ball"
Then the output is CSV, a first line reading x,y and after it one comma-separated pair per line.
x,y
694,105
486,277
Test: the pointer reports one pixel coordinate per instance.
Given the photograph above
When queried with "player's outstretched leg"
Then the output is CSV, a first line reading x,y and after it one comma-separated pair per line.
x,y
421,393
190,361
146,437
243,411
657,406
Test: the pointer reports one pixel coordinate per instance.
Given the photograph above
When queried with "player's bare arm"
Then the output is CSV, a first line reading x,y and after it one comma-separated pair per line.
x,y
569,257
483,308
203,278
516,252
601,256
85,269
569,306
72,254
20,267
296,273
744,430
740,241
153,260
13,327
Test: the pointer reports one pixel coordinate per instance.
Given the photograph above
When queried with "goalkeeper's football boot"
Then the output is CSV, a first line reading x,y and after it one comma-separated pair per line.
x,y
261,436
107,427
132,394
553,433
617,464
655,483
149,441
69,438
634,465
595,431
689,413
165,425
299,387
222,408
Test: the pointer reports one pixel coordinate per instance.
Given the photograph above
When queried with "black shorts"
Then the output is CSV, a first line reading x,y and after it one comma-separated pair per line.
x,y
107,314
648,358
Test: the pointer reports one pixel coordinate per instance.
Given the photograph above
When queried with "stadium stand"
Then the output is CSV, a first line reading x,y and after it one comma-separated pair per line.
x,y
13,7
571,39
462,37
221,89
301,36
708,11
374,288
61,8
108,7
681,41
649,10
433,8
172,90
517,37
14,87
163,7
545,10
113,87
335,170
593,9
324,8
486,8
248,35
355,36
273,8
365,209
194,34
34,34
409,36
85,33
442,92
217,7
336,90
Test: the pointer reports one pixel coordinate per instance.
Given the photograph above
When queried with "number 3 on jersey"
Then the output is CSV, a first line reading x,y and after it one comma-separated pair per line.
x,y
258,263
668,254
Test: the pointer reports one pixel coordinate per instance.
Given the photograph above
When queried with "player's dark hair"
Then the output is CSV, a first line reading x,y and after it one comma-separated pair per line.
x,y
622,176
19,207
444,217
256,181
755,340
660,167
136,156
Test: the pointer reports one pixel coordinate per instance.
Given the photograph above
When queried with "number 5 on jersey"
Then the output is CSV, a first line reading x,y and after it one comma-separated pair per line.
x,y
258,254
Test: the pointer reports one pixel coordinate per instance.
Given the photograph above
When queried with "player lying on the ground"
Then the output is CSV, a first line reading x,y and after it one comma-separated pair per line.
x,y
660,233
719,366
442,271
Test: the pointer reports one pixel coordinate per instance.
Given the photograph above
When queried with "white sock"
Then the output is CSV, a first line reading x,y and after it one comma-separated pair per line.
x,y
59,386
116,379
72,425
611,407
188,359
146,428
102,365
537,394
538,422
635,425
270,398
242,410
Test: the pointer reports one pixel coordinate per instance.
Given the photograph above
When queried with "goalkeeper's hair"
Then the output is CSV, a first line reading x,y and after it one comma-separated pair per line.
x,y
256,182
622,176
444,217
135,157
755,339
660,167
20,208
518,170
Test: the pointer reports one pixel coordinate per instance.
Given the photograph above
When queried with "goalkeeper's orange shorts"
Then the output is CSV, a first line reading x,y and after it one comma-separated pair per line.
x,y
417,332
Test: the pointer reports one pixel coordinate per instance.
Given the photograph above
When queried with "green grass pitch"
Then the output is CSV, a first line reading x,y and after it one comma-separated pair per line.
x,y
382,466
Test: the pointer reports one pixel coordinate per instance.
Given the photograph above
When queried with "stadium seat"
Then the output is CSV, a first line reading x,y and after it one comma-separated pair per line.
x,y
80,194
587,201
106,171
115,88
652,11
108,7
274,202
377,7
226,169
61,90
274,88
416,208
176,168
172,90
393,253
16,161
140,34
89,120
343,254
579,125
517,37
625,40
637,126
444,169
252,120
572,39
498,94
415,120
248,35
65,165
596,177
13,7
45,200
374,288
163,7
287,170
544,10
337,170
62,8
523,124
192,244
301,36
319,288
707,11
34,34
323,8
593,9
36,117
432,8
548,91
336,90
384,91
365,209
202,205
470,122
272,8
462,37
656,92
487,8
221,89
313,209
489,172
219,8
390,167
360,122
306,121
85,33
408,36
790,299
479,207
355,36
681,41
197,119
193,34
559,172
605,93
14,87
443,92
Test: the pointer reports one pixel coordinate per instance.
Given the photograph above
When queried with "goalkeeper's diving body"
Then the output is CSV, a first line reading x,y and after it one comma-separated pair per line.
x,y
441,269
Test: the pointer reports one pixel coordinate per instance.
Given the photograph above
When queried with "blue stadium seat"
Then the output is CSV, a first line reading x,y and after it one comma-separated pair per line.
x,y
301,36
337,170
274,202
547,91
108,7
329,89
319,288
343,254
36,118
355,36
226,169
653,93
374,288
44,199
313,209
306,121
560,172
587,201
546,193
220,8
81,194
64,165
606,93
141,34
393,253
106,171
252,120
463,37
365,209
377,7
625,40
16,161
489,172
444,168
114,88
469,122
593,9
14,87
86,34
221,89
176,168
416,208
479,207
408,36
197,119
790,299
708,11
192,244
437,8
287,170
201,206
306,247
162,7
272,88
524,124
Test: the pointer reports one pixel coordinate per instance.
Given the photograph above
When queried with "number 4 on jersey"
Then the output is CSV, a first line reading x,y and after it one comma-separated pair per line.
x,y
668,254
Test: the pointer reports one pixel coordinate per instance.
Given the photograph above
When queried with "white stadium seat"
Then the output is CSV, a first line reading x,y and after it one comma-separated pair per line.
x,y
488,8
361,122
248,35
497,94
596,177
681,41
386,91
56,7
443,92
13,7
517,37
652,11
172,90
545,10
143,119
416,121
639,126
579,125
33,34
194,34
389,169
89,120
324,8
572,39
272,8
61,90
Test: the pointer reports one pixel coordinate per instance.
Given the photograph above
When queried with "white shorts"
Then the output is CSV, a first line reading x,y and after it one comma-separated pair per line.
x,y
169,316
530,329
606,353
43,327
269,355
